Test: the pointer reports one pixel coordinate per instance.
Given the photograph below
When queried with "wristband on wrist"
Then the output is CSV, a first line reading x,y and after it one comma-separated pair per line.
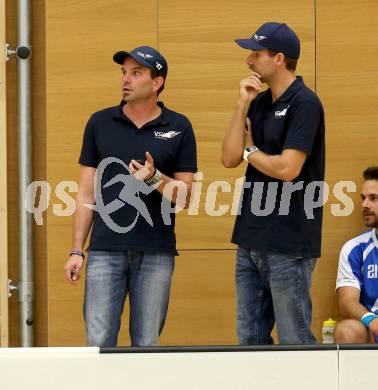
x,y
156,177
367,318
77,252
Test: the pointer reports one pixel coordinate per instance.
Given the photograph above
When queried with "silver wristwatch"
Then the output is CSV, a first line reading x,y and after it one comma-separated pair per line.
x,y
249,150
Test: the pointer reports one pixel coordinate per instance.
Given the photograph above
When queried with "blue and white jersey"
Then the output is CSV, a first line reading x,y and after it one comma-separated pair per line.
x,y
358,267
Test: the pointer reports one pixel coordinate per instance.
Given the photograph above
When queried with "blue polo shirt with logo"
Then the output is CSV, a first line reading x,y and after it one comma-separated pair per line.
x,y
295,121
131,212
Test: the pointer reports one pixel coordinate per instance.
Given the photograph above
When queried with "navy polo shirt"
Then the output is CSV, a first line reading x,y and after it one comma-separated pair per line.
x,y
294,121
134,219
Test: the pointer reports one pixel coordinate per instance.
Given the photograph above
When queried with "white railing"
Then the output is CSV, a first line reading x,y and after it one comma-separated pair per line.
x,y
87,368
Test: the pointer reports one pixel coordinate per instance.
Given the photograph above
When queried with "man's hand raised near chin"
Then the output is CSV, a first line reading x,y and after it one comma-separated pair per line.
x,y
250,87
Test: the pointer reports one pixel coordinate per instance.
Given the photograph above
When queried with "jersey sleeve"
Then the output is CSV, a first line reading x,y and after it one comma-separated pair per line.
x,y
305,123
349,270
89,153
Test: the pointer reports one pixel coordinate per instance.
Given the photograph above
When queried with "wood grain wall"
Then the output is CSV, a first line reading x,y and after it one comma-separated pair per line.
x,y
347,82
205,66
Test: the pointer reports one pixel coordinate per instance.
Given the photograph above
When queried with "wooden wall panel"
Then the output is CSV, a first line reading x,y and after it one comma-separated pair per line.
x,y
201,310
205,67
81,38
12,170
39,168
347,79
203,302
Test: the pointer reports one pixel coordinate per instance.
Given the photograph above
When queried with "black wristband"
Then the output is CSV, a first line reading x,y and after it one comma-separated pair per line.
x,y
76,252
155,178
146,180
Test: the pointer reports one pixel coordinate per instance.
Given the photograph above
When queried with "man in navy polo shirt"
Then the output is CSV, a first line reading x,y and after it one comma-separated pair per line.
x,y
280,134
142,157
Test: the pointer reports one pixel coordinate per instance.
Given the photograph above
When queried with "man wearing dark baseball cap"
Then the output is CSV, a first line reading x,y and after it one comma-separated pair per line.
x,y
139,148
146,56
278,37
279,133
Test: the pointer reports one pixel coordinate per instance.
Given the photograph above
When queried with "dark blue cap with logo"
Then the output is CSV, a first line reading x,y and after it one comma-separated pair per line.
x,y
146,56
277,37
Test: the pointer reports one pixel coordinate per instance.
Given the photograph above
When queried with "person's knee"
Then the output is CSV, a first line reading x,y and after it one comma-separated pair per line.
x,y
101,340
101,331
350,331
146,337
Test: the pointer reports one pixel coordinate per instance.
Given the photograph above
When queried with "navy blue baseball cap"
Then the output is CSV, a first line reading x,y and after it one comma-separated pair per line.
x,y
146,56
278,37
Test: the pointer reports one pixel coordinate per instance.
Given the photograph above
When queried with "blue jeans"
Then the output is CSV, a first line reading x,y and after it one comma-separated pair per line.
x,y
110,277
273,288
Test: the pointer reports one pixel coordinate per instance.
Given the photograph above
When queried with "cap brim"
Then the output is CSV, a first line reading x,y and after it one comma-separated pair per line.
x,y
120,57
249,44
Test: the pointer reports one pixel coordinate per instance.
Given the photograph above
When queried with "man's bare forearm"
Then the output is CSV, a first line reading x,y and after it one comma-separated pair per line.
x,y
233,142
82,222
176,191
350,308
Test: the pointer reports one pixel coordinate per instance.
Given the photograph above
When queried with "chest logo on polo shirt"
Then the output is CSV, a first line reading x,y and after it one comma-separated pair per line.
x,y
167,135
282,113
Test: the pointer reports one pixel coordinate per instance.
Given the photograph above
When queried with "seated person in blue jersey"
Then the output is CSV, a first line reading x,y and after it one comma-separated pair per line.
x,y
357,279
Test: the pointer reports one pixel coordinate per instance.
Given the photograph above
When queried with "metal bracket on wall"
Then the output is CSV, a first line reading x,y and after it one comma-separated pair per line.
x,y
12,288
21,52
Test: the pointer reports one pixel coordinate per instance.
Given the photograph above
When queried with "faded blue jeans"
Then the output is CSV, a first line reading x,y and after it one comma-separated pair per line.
x,y
273,288
110,277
